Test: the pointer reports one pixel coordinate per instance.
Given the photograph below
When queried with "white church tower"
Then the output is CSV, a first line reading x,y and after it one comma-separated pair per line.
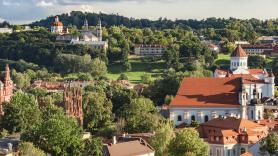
x,y
239,63
99,31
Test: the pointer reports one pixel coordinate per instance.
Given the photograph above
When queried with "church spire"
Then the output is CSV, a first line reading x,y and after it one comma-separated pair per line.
x,y
7,78
86,25
99,31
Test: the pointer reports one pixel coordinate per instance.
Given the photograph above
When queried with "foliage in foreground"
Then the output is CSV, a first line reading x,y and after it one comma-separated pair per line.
x,y
188,141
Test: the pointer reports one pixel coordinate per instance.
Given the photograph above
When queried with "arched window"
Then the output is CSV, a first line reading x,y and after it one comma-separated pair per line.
x,y
259,115
193,118
206,118
242,150
252,114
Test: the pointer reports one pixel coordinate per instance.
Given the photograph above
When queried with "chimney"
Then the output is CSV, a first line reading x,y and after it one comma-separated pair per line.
x,y
244,129
114,141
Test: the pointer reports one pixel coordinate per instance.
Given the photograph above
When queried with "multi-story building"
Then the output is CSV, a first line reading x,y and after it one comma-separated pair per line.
x,y
232,136
233,92
6,89
257,49
6,30
268,39
149,50
91,38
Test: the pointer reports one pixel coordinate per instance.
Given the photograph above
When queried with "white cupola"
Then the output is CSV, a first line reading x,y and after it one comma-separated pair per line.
x,y
239,61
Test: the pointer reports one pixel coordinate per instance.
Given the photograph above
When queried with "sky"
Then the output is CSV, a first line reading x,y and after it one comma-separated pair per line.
x,y
26,11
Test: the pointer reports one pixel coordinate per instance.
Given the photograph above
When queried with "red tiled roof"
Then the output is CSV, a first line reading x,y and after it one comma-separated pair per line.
x,y
248,78
239,52
256,71
246,154
229,130
57,24
234,123
208,92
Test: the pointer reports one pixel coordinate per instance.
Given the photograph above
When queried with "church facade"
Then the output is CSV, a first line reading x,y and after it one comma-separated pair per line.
x,y
91,38
6,88
235,92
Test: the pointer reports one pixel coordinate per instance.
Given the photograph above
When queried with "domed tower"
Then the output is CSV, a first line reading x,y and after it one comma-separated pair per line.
x,y
238,64
57,26
99,31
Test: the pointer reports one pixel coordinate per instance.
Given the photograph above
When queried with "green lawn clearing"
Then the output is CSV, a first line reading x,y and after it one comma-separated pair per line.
x,y
139,66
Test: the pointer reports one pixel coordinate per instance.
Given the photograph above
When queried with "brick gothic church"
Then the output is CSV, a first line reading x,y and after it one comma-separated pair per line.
x,y
6,88
73,103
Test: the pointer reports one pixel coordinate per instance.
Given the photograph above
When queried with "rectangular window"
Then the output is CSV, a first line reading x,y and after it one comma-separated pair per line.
x,y
179,118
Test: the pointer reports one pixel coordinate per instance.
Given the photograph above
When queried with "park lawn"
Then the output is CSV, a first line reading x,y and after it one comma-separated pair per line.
x,y
138,68
223,57
223,61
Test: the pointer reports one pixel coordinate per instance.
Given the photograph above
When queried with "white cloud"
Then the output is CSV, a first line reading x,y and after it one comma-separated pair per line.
x,y
21,11
44,4
10,3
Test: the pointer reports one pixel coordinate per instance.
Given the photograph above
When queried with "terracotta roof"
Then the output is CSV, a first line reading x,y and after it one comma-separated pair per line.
x,y
246,154
248,78
208,92
239,52
228,133
234,123
129,148
256,71
57,24
272,124
232,130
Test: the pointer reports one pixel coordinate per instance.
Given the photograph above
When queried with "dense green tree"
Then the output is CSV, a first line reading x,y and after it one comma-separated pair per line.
x,y
98,68
120,96
257,62
167,85
140,115
188,141
21,113
93,147
162,138
97,110
57,134
269,144
22,80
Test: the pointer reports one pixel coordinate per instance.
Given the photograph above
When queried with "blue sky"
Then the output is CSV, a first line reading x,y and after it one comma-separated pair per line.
x,y
24,11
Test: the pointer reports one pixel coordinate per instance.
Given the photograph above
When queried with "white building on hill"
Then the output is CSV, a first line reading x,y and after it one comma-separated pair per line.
x,y
149,50
91,38
233,92
6,30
